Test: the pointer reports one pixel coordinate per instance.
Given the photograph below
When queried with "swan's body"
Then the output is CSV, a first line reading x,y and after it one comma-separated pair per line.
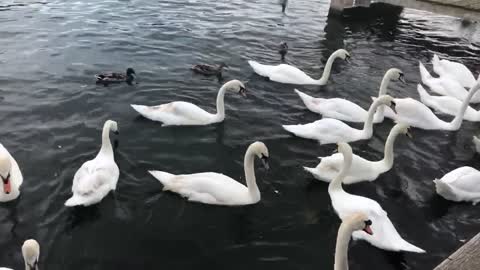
x,y
354,222
446,104
445,86
96,177
216,188
329,130
385,235
453,70
31,255
284,73
180,113
10,175
416,114
342,109
462,184
361,169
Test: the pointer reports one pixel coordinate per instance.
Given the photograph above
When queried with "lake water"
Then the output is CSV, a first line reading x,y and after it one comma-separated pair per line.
x,y
52,115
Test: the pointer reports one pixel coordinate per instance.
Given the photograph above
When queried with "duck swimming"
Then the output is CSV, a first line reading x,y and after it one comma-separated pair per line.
x,y
107,78
209,70
283,49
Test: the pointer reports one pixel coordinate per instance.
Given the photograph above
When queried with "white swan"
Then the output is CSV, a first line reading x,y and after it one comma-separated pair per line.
x,y
284,73
476,141
461,184
447,105
216,188
361,169
11,176
31,255
342,109
445,86
329,130
96,177
385,235
355,222
180,113
454,70
416,114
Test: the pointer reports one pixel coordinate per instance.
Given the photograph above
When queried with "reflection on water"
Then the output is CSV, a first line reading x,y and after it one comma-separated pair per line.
x,y
52,115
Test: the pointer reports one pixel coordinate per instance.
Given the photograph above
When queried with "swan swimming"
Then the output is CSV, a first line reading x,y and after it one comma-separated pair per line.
x,y
31,255
345,110
454,70
284,73
180,113
385,236
361,169
96,177
11,176
216,188
461,184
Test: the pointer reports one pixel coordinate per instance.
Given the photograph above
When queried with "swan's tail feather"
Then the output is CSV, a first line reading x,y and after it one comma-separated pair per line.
x,y
435,60
75,201
295,129
260,69
406,246
444,190
424,72
141,109
165,178
304,97
310,170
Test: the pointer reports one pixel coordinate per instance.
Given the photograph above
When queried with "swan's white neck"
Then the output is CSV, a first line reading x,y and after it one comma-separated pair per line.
x,y
328,68
387,162
368,125
457,121
220,115
336,184
383,90
106,144
341,249
248,165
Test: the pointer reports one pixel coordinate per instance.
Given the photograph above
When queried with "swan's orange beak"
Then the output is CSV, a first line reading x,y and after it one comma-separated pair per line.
x,y
7,187
368,230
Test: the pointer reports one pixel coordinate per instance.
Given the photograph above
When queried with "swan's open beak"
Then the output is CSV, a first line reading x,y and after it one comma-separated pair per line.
x,y
368,230
402,78
265,162
393,107
243,92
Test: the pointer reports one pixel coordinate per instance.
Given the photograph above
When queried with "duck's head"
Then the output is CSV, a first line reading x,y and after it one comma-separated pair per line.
x,y
223,65
5,168
131,72
283,45
31,254
261,150
360,221
396,74
342,54
236,86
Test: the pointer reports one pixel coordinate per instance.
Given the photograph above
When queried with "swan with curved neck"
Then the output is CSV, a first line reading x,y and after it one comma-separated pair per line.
x,y
417,114
355,222
361,169
453,70
342,109
96,177
180,113
284,73
216,188
328,130
10,176
386,236
31,255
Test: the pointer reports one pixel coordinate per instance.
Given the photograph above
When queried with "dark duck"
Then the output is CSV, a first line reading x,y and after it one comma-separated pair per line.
x,y
209,70
283,49
107,78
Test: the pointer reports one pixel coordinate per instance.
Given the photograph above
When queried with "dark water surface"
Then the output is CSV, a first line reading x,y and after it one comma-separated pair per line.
x,y
52,115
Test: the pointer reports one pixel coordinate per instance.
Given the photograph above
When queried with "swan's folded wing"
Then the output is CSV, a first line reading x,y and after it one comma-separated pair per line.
x,y
184,110
468,182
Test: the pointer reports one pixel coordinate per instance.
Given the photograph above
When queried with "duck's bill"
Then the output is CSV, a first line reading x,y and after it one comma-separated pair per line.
x,y
368,230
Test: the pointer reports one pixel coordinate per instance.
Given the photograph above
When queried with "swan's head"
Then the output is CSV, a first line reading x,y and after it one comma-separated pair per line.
x,y
388,101
343,54
112,125
5,168
31,254
236,86
261,150
359,221
403,129
396,74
